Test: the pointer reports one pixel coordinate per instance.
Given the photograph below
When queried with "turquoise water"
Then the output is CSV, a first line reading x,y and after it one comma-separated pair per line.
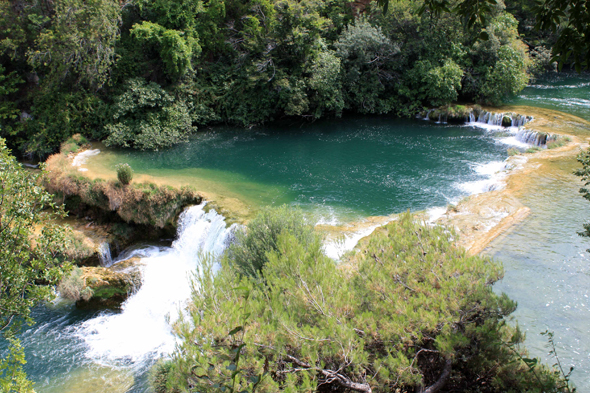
x,y
546,262
348,168
566,92
548,270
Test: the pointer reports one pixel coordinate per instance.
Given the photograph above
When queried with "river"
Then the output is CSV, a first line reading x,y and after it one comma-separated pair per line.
x,y
338,171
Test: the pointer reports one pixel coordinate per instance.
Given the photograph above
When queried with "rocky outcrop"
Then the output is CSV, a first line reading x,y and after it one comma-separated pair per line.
x,y
101,287
137,203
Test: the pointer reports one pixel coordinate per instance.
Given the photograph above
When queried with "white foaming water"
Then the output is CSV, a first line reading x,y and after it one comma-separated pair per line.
x,y
492,122
142,330
81,158
434,213
104,255
495,171
335,249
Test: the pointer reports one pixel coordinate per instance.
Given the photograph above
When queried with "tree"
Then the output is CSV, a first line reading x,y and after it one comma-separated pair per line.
x,y
31,259
79,41
405,313
569,19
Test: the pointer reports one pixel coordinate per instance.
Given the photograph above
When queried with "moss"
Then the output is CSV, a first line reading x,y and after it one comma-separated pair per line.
x,y
109,292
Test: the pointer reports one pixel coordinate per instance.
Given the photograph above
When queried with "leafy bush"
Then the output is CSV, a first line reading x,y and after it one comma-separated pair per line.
x,y
124,173
176,49
79,113
365,52
148,117
249,253
407,311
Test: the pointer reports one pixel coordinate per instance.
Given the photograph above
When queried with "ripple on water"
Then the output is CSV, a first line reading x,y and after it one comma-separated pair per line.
x,y
547,271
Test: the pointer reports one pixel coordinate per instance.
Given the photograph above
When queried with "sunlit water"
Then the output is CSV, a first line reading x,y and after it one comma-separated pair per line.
x,y
548,270
566,92
546,262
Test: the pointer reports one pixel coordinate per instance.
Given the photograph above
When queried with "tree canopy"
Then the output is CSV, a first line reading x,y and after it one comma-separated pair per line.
x,y
408,311
147,74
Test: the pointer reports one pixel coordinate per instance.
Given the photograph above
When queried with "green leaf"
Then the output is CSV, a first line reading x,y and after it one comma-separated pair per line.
x,y
236,330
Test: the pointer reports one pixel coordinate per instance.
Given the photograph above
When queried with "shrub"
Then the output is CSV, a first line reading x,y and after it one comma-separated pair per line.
x,y
148,117
406,310
249,253
74,288
124,173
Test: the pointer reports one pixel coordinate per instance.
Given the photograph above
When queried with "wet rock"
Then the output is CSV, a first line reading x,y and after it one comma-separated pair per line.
x,y
100,287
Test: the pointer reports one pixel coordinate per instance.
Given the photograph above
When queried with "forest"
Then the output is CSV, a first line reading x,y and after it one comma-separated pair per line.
x,y
148,74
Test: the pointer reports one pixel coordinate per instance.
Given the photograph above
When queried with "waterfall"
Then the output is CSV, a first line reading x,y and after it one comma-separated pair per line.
x,y
104,255
497,121
142,330
532,137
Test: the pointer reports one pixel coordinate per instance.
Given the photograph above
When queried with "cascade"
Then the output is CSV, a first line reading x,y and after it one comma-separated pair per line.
x,y
532,137
104,255
142,331
494,121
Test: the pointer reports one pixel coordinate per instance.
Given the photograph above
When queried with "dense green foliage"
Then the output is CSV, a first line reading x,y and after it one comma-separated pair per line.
x,y
409,310
31,260
249,251
147,74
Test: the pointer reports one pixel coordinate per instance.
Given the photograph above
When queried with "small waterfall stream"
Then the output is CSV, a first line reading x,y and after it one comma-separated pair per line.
x,y
104,255
521,137
142,330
